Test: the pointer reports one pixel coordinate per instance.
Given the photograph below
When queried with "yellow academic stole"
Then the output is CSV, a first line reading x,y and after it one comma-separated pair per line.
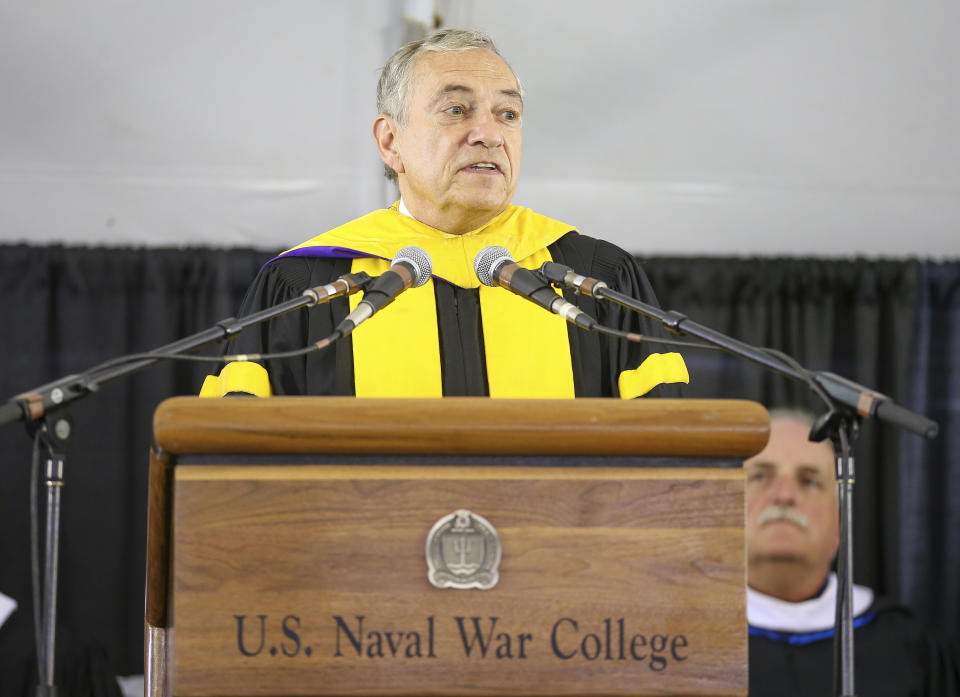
x,y
397,354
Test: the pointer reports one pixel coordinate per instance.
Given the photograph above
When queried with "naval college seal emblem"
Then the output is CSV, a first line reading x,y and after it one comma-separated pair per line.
x,y
463,551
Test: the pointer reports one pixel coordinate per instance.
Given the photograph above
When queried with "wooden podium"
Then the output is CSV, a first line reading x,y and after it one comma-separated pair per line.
x,y
287,546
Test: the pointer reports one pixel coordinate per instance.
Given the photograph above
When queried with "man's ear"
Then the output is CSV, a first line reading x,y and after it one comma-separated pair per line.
x,y
385,132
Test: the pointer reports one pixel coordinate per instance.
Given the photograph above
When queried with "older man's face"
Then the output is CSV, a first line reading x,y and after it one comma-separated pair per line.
x,y
459,152
791,498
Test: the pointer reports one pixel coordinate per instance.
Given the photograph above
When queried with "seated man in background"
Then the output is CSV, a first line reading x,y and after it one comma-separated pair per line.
x,y
792,536
449,132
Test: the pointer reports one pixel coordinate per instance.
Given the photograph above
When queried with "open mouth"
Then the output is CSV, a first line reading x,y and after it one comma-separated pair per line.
x,y
482,168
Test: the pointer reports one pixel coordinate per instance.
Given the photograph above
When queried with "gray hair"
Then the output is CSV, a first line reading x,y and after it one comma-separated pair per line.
x,y
393,89
799,415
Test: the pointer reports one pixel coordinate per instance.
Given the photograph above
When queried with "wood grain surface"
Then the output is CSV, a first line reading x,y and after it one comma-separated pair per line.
x,y
159,505
274,567
461,425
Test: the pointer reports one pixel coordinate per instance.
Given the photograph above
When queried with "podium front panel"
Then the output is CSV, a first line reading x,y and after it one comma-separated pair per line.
x,y
306,579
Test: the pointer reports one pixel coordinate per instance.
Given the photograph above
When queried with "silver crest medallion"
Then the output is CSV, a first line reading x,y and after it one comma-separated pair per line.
x,y
463,551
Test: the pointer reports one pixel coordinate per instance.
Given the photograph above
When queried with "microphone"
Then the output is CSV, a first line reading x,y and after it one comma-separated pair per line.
x,y
568,278
495,266
410,267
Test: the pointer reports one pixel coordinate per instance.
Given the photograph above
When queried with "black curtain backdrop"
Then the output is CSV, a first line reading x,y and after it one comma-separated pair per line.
x,y
929,474
891,325
63,310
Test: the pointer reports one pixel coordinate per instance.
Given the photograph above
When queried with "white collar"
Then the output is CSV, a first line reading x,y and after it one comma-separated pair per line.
x,y
402,208
816,614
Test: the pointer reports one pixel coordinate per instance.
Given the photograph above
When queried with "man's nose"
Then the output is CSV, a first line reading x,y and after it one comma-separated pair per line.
x,y
784,490
485,130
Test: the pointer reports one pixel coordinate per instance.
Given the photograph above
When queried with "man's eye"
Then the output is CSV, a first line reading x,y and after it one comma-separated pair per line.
x,y
511,115
455,111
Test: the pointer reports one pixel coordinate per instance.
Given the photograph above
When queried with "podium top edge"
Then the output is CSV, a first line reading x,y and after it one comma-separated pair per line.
x,y
461,426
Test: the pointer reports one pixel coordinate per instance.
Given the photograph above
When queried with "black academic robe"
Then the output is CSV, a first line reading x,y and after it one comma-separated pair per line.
x,y
597,360
894,656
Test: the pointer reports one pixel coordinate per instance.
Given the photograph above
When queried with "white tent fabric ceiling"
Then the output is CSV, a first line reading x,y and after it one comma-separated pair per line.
x,y
672,127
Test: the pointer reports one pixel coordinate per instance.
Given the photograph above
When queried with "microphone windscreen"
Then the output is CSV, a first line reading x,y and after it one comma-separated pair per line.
x,y
419,260
488,260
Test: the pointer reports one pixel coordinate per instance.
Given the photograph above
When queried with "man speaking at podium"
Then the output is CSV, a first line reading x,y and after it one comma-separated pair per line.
x,y
449,132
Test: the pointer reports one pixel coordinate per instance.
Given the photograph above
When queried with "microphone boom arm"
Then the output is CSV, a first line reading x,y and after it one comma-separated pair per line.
x,y
33,404
855,397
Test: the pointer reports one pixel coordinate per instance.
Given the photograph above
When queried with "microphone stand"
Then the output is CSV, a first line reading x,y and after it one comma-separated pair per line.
x,y
848,403
45,410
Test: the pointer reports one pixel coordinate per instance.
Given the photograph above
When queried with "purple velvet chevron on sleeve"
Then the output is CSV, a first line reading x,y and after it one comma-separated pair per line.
x,y
324,253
